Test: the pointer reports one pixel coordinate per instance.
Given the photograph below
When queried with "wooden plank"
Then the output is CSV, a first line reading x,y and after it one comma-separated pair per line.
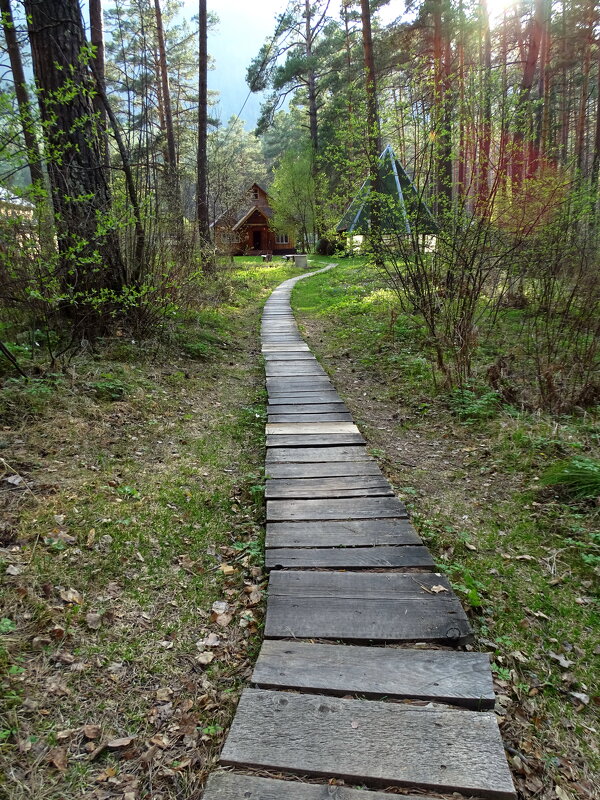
x,y
299,355
379,490
310,487
298,381
364,606
351,508
348,557
298,385
287,369
307,408
233,786
329,397
350,533
299,347
312,427
341,416
366,741
313,439
301,455
325,469
444,676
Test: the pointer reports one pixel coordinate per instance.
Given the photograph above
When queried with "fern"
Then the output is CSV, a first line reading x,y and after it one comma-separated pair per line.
x,y
580,477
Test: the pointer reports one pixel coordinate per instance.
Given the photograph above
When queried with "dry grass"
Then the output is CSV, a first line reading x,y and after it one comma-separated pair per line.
x,y
524,562
131,564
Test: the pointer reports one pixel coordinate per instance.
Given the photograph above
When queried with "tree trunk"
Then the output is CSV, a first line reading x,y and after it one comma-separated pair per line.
x,y
97,41
374,132
442,111
595,172
373,135
462,139
172,175
90,257
202,165
565,94
540,148
485,137
311,81
580,152
26,118
523,117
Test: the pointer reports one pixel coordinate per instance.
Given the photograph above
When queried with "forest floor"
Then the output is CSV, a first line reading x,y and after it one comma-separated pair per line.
x,y
524,560
131,496
132,512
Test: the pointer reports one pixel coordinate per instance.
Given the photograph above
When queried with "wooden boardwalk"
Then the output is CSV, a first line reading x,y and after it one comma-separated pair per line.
x,y
360,677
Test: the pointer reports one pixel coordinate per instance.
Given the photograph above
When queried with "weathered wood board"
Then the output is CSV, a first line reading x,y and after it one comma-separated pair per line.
x,y
291,369
370,742
349,533
444,676
313,439
383,557
307,408
330,397
312,487
340,416
299,355
323,469
288,386
311,427
301,455
364,606
233,786
296,347
351,508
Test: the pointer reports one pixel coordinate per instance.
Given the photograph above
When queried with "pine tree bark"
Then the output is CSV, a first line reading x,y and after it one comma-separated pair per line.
x,y
374,132
90,256
202,165
172,174
523,112
442,110
580,129
595,171
34,157
97,42
485,136
311,81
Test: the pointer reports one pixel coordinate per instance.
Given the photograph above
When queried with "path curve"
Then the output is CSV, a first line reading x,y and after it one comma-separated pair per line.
x,y
360,678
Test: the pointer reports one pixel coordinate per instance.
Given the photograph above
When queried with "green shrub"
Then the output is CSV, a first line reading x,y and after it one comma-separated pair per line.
x,y
109,387
470,406
20,398
579,477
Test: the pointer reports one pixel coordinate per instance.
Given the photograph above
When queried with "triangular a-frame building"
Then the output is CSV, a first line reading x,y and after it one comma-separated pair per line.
x,y
402,210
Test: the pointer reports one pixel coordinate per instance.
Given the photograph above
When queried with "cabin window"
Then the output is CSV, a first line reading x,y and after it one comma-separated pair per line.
x,y
230,238
254,192
282,238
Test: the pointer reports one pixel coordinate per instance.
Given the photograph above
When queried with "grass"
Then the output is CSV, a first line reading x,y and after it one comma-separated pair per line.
x,y
131,489
524,557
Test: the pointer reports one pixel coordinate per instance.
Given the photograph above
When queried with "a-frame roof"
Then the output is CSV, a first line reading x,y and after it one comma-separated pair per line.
x,y
402,209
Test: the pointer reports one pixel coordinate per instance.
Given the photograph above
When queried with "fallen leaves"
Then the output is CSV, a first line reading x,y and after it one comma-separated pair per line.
x,y
118,744
58,758
71,596
562,660
93,621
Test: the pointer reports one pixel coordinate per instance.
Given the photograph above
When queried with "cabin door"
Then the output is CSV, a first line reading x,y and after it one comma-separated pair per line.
x,y
256,240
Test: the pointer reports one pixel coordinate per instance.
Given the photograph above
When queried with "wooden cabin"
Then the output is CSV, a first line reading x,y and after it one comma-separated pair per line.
x,y
247,231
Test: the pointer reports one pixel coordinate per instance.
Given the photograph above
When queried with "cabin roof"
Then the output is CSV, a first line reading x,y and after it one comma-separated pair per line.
x,y
235,217
265,211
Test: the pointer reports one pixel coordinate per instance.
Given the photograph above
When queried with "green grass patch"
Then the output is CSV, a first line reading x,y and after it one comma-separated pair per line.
x,y
504,498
